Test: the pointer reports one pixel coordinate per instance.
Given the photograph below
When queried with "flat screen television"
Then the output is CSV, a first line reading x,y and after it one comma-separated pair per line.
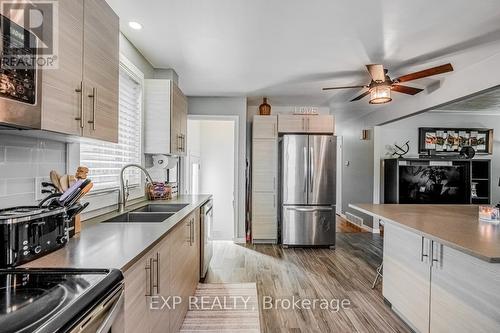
x,y
433,184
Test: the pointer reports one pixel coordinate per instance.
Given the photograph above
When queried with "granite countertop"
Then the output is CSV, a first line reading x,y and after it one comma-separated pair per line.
x,y
116,245
456,226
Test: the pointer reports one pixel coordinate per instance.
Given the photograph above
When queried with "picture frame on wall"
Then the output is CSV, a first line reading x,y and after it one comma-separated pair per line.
x,y
441,140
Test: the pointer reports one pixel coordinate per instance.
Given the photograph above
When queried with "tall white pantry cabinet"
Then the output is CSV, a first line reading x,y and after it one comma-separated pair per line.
x,y
265,179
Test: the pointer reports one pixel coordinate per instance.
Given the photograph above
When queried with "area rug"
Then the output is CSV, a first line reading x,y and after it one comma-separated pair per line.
x,y
223,307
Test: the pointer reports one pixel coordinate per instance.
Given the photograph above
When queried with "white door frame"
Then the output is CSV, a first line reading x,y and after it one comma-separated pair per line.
x,y
235,120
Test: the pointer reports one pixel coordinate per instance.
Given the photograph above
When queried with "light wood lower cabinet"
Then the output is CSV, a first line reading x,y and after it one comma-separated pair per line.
x,y
465,293
435,288
185,267
137,314
406,282
171,268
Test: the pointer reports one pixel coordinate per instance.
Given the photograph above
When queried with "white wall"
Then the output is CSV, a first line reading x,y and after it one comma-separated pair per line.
x,y
407,130
229,106
357,168
217,165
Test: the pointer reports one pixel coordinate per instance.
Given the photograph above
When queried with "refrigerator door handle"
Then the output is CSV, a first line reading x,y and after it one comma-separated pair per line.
x,y
305,170
310,209
311,169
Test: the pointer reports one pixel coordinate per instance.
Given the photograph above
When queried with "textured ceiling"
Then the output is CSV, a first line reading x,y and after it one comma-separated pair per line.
x,y
483,103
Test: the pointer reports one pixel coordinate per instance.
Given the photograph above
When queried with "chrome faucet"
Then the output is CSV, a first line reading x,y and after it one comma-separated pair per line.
x,y
124,190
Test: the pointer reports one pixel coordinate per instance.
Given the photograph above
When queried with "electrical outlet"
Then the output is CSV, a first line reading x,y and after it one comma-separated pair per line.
x,y
38,187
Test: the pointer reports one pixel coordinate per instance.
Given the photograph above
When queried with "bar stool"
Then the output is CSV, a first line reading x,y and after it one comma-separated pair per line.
x,y
380,268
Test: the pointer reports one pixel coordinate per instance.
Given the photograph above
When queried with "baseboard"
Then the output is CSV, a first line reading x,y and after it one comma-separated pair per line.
x,y
240,240
265,241
364,227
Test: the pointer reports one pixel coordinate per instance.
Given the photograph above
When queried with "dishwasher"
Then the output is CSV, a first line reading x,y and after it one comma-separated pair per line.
x,y
206,242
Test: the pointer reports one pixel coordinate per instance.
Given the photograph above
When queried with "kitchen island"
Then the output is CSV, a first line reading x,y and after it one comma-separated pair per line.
x,y
158,260
441,266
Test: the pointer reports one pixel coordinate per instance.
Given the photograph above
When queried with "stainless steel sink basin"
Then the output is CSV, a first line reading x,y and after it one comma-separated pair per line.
x,y
157,208
139,217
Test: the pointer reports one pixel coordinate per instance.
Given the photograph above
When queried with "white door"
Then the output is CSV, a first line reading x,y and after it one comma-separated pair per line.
x,y
217,173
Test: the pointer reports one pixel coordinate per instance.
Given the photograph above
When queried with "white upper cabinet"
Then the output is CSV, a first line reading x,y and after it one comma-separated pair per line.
x,y
165,118
319,124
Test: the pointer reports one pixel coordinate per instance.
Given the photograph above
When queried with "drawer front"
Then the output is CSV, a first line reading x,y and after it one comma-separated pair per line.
x,y
309,225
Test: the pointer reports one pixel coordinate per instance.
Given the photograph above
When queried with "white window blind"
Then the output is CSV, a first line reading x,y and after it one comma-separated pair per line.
x,y
105,160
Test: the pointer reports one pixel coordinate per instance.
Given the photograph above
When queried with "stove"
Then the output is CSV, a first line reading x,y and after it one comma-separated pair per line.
x,y
59,300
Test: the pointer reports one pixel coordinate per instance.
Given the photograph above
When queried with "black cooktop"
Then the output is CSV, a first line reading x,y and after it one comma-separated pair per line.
x,y
50,300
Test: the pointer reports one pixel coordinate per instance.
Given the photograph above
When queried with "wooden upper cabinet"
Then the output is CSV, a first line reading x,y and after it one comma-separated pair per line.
x,y
319,124
179,121
80,96
101,71
291,124
157,102
166,118
265,127
61,87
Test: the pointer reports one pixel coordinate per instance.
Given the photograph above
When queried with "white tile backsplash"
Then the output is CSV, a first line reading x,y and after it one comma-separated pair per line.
x,y
22,159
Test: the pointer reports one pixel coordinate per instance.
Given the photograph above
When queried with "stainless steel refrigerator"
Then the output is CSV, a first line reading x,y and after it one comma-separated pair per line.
x,y
308,190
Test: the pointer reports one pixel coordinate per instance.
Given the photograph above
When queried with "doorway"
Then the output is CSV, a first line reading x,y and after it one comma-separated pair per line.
x,y
211,168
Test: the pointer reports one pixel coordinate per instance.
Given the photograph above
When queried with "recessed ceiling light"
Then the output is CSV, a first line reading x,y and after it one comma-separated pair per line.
x,y
135,25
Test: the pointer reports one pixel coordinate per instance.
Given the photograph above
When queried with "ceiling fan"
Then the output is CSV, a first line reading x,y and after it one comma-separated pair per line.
x,y
381,85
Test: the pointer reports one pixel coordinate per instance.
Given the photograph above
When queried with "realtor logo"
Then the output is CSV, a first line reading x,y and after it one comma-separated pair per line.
x,y
31,25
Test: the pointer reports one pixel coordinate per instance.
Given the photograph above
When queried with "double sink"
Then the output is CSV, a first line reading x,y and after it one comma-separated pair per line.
x,y
153,213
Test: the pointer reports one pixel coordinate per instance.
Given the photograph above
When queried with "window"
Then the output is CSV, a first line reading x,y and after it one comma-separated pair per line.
x,y
104,159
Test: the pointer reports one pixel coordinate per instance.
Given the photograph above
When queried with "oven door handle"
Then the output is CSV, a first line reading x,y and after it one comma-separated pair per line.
x,y
113,313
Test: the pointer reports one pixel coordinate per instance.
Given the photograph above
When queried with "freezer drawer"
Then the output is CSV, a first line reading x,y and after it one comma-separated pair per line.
x,y
308,225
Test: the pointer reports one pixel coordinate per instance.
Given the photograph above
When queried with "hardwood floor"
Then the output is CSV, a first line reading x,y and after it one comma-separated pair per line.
x,y
241,316
342,274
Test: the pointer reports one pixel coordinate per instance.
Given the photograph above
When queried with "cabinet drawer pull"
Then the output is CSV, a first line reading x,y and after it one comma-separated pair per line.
x,y
94,107
193,224
149,276
81,118
157,283
422,254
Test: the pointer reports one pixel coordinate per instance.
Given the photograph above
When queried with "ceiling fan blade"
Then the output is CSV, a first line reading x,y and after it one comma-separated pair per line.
x,y
346,87
406,89
425,73
366,93
376,72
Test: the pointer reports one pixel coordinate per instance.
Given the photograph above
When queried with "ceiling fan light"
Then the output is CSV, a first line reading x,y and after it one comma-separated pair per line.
x,y
380,95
